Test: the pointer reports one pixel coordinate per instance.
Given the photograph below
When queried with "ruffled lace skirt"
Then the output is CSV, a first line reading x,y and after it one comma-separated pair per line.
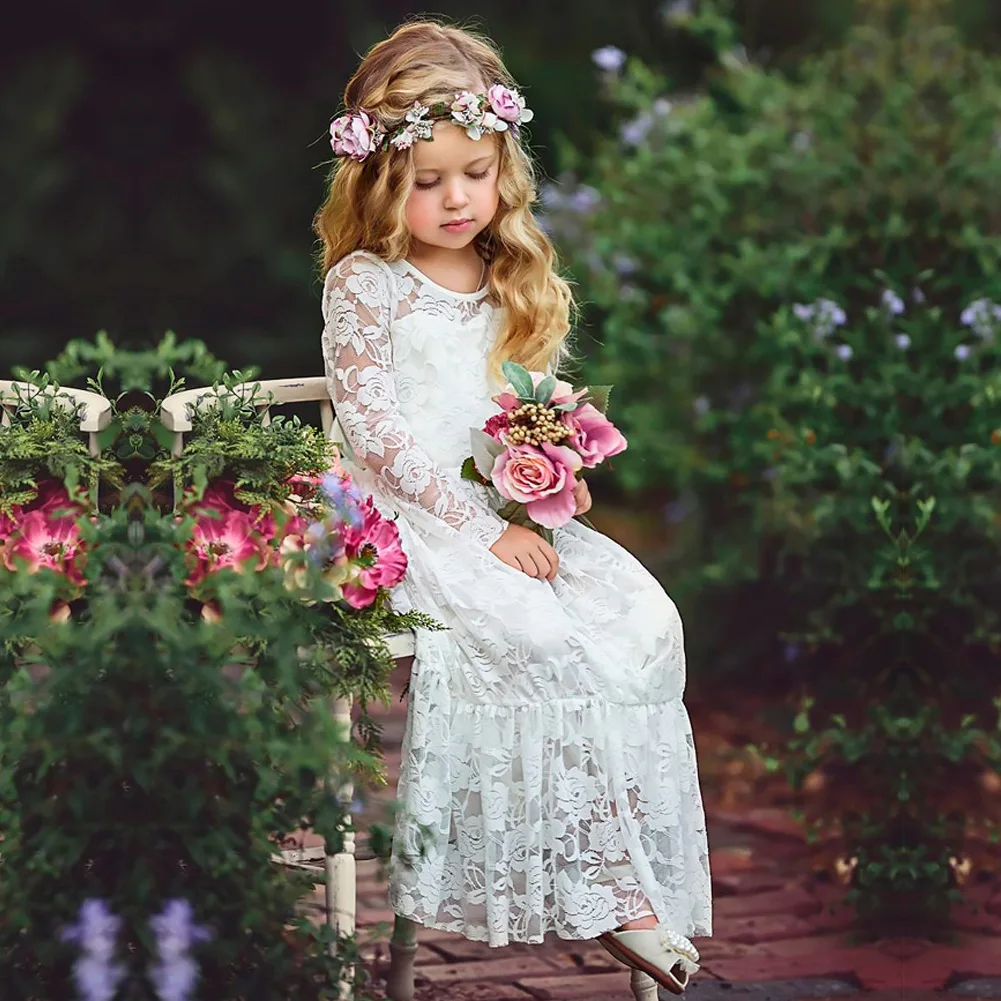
x,y
549,779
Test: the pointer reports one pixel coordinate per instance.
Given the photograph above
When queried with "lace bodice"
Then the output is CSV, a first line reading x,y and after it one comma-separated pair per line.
x,y
405,362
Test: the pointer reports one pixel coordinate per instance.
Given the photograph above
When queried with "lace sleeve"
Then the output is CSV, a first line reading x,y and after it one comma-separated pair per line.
x,y
357,355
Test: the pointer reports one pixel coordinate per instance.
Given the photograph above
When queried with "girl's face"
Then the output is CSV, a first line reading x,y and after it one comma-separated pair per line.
x,y
456,181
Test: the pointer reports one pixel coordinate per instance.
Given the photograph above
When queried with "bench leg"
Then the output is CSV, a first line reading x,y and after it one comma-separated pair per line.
x,y
341,891
644,987
402,950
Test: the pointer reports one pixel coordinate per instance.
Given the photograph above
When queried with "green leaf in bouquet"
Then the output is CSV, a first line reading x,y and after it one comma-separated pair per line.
x,y
470,472
597,396
485,451
544,390
519,378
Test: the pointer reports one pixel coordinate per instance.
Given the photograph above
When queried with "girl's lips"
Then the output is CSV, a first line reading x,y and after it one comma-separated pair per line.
x,y
458,227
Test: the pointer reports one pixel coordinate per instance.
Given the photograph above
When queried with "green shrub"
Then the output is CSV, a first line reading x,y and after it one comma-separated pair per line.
x,y
793,280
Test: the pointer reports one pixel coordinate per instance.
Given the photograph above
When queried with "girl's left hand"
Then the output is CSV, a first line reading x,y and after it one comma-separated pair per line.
x,y
582,496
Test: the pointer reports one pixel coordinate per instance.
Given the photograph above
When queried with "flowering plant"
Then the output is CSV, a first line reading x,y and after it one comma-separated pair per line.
x,y
44,534
324,523
533,450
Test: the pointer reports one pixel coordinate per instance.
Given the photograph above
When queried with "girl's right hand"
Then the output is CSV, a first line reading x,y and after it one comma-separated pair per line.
x,y
525,550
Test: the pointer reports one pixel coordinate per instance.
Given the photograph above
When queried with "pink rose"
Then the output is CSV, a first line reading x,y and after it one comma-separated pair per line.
x,y
504,102
594,436
354,135
542,478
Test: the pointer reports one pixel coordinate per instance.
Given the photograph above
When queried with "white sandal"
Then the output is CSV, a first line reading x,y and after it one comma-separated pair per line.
x,y
657,952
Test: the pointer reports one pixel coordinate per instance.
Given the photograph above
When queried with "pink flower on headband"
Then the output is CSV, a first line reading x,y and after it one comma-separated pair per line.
x,y
356,134
508,105
504,103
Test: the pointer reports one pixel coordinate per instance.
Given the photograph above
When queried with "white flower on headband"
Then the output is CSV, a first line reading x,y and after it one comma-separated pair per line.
x,y
358,134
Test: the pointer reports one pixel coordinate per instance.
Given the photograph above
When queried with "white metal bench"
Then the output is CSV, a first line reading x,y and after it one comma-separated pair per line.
x,y
341,886
95,413
340,869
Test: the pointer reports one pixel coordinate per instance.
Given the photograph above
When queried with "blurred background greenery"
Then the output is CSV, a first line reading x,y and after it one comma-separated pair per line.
x,y
162,162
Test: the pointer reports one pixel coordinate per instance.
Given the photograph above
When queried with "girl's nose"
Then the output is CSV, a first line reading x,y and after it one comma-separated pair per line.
x,y
455,194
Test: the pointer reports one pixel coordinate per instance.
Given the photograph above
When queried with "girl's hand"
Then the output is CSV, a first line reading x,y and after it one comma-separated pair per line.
x,y
582,496
523,549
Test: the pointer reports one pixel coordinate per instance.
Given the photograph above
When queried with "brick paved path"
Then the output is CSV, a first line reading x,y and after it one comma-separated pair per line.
x,y
780,930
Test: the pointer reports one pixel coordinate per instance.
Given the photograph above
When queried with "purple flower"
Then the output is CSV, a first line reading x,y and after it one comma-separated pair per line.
x,y
917,295
963,352
677,510
790,652
96,976
701,405
175,974
903,341
609,58
844,352
825,314
585,199
892,302
551,195
623,264
982,315
635,131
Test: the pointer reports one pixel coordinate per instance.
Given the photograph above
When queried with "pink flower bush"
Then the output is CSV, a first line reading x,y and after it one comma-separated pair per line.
x,y
543,478
42,540
325,523
376,546
226,540
44,534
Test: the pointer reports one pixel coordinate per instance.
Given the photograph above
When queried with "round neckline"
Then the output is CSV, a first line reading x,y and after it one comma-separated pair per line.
x,y
478,294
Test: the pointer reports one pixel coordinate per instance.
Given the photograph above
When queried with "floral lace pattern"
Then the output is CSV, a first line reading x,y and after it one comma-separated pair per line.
x,y
549,778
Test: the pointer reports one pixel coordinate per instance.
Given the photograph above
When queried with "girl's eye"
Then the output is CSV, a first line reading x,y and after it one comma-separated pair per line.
x,y
432,184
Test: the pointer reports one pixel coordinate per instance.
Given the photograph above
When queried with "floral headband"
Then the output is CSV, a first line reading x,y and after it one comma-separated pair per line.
x,y
357,134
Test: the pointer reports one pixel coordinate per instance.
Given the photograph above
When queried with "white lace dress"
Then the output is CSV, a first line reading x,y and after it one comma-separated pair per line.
x,y
548,755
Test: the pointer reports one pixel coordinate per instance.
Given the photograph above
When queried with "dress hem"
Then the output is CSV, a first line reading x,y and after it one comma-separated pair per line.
x,y
698,931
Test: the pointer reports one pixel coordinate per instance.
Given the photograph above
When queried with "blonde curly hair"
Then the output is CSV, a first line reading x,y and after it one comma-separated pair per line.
x,y
428,61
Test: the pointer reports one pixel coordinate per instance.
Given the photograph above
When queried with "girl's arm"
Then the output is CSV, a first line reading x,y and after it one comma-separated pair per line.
x,y
357,354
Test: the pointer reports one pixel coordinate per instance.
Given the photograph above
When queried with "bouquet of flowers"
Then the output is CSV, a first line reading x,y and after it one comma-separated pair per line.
x,y
324,521
532,451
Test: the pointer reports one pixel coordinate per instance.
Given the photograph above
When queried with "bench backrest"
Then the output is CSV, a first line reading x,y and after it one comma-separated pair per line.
x,y
95,412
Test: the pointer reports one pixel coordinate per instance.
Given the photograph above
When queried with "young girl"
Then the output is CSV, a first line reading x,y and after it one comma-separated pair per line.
x,y
548,754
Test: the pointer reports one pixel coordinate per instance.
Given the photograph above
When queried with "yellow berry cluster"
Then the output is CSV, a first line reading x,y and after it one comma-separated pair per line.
x,y
532,424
